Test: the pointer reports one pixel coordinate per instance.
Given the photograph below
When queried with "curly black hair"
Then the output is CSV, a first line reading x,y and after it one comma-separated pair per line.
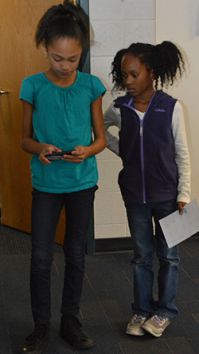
x,y
165,60
63,20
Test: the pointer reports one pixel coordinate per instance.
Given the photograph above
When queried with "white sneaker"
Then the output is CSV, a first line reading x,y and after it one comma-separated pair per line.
x,y
134,327
156,325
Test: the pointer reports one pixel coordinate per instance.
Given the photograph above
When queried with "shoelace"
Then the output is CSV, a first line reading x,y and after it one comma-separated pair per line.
x,y
137,319
160,320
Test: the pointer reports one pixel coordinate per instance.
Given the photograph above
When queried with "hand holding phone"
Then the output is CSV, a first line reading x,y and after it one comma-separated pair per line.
x,y
57,155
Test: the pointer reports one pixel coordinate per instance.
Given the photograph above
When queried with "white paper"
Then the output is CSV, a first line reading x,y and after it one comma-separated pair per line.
x,y
177,228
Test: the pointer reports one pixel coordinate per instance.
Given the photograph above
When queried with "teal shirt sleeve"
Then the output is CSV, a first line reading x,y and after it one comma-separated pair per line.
x,y
98,89
27,91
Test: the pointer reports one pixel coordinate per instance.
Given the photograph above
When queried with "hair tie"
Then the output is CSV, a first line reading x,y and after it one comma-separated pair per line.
x,y
73,2
67,12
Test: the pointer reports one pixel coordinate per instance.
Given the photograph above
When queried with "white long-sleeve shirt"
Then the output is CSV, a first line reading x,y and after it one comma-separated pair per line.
x,y
112,117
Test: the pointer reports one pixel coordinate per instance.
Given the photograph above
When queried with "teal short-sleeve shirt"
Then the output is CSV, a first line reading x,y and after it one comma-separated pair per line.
x,y
62,117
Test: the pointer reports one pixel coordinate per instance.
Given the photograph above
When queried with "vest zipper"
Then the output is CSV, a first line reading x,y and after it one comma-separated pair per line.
x,y
142,160
129,105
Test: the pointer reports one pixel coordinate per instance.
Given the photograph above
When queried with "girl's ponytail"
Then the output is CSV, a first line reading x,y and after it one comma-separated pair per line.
x,y
64,20
79,15
168,63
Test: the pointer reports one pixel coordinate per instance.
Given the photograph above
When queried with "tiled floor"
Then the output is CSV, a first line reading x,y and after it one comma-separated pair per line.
x,y
106,301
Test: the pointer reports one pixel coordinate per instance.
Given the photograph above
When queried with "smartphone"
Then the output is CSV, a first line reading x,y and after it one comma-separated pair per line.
x,y
57,155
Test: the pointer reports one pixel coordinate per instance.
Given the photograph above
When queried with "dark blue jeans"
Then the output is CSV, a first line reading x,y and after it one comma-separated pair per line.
x,y
145,244
46,208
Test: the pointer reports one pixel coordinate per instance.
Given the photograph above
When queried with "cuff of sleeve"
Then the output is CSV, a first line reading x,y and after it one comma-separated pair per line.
x,y
183,198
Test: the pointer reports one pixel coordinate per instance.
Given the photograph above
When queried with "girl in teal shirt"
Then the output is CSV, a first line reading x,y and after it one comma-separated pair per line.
x,y
62,111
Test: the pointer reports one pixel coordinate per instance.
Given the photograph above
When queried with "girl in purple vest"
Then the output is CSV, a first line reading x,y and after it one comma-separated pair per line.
x,y
155,178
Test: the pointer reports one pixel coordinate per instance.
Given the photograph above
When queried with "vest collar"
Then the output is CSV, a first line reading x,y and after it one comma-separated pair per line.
x,y
127,100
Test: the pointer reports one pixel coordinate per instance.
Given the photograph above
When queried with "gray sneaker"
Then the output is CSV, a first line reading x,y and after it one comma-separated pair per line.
x,y
134,327
156,325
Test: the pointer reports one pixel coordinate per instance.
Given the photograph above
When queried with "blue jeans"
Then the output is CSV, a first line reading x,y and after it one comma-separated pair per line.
x,y
145,245
46,208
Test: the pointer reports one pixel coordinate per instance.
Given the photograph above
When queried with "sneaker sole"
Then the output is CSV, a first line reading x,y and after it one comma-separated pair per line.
x,y
76,346
39,350
152,331
136,333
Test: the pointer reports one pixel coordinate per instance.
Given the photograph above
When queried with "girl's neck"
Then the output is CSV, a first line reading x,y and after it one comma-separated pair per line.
x,y
61,81
141,102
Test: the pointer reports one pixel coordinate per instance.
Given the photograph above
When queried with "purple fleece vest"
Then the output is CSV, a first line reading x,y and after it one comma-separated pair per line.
x,y
147,151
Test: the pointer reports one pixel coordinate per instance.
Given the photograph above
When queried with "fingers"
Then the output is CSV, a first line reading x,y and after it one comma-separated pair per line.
x,y
181,206
48,149
79,154
73,158
44,159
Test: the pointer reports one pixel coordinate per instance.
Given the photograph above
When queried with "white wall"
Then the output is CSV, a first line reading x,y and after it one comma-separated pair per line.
x,y
178,21
116,24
